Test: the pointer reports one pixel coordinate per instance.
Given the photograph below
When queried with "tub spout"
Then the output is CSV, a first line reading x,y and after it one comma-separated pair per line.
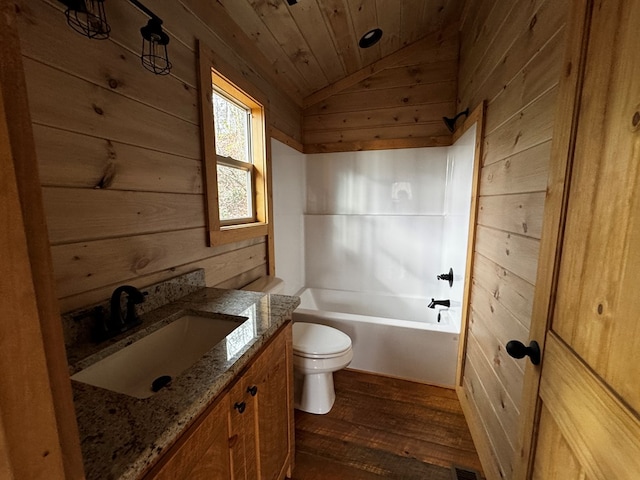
x,y
442,303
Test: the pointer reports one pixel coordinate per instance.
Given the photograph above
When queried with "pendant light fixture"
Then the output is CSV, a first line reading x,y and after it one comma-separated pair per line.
x,y
154,56
88,18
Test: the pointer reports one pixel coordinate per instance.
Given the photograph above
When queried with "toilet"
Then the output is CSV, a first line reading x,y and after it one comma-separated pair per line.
x,y
318,351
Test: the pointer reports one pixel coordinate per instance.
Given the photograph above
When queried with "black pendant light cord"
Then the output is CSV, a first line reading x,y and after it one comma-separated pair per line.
x,y
147,12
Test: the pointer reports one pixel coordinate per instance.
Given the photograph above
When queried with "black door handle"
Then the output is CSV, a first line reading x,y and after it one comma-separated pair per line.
x,y
517,350
252,390
240,406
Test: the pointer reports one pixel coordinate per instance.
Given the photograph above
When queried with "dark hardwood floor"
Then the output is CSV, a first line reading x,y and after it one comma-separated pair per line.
x,y
382,427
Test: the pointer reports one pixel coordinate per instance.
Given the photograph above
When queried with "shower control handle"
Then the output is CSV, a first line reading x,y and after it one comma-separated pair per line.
x,y
517,349
447,277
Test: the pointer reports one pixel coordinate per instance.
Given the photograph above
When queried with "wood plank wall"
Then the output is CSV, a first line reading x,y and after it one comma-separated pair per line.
x,y
511,55
119,148
400,106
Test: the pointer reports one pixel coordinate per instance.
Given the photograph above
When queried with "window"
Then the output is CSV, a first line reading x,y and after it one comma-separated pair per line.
x,y
232,131
235,153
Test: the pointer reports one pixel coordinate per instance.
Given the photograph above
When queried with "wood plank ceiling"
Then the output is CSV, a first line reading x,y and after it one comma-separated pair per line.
x,y
314,43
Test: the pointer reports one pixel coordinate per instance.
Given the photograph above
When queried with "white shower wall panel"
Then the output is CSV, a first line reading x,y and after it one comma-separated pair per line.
x,y
386,254
460,159
384,182
288,174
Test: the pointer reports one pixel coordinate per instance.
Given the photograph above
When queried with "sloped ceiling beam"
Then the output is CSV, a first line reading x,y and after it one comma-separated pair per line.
x,y
215,16
430,41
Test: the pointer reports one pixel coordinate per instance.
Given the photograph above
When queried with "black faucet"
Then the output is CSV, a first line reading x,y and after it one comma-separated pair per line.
x,y
119,324
442,303
447,277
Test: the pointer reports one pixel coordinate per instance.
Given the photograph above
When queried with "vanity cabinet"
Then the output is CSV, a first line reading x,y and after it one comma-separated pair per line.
x,y
247,433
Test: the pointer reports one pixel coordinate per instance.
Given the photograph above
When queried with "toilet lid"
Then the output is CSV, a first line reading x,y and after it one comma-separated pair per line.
x,y
312,340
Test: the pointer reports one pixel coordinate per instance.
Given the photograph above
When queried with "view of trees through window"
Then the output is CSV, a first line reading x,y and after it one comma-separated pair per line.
x,y
232,129
234,187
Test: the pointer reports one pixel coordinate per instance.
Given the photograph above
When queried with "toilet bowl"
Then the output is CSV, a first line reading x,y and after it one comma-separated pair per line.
x,y
318,351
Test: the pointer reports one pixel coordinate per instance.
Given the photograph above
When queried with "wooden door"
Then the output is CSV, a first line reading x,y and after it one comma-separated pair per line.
x,y
589,392
38,430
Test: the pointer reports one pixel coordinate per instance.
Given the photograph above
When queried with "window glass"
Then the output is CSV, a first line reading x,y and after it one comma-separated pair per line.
x,y
234,193
232,126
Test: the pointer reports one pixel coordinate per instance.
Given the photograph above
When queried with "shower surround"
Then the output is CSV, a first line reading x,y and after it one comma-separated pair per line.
x,y
381,224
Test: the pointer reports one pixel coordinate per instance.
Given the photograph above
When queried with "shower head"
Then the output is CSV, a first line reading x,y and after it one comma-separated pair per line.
x,y
451,122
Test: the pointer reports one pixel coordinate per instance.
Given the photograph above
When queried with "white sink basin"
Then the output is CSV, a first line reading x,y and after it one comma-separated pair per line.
x,y
169,350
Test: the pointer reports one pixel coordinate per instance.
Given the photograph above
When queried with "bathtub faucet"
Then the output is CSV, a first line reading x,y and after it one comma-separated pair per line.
x,y
442,303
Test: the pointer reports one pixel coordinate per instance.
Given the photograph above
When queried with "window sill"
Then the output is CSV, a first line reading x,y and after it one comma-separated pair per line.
x,y
237,233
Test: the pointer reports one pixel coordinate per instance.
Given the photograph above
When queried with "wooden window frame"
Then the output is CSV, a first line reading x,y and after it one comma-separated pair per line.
x,y
221,88
213,69
230,162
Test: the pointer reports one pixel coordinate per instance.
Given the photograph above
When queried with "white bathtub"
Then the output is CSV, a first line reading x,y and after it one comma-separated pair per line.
x,y
395,336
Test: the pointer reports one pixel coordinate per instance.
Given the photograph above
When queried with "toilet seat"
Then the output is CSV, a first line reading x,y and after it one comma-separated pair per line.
x,y
313,356
319,341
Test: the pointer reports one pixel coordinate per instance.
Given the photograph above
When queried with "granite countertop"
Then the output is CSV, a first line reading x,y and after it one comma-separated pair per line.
x,y
122,435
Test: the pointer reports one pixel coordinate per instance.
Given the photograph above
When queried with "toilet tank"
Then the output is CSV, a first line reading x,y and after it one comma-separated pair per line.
x,y
266,284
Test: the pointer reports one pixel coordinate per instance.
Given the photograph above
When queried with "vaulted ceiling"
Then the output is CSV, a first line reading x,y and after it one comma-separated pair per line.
x,y
314,43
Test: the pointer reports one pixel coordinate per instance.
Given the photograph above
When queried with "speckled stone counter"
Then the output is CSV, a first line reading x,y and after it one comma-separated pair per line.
x,y
121,435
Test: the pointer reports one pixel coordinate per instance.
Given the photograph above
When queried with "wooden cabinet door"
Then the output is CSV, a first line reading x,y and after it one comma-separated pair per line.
x,y
202,453
273,380
242,429
589,396
261,437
